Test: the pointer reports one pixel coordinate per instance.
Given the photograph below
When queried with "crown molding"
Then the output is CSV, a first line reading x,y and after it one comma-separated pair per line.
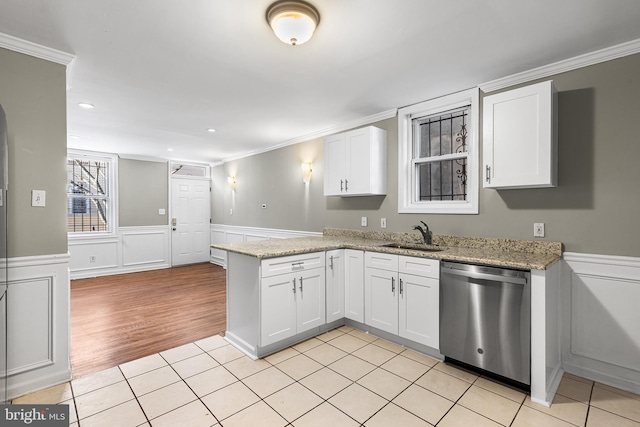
x,y
319,134
32,49
591,58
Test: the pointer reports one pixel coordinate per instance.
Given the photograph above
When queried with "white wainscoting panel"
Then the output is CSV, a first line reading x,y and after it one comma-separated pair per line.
x,y
30,310
221,234
601,333
144,246
38,323
218,256
131,249
90,257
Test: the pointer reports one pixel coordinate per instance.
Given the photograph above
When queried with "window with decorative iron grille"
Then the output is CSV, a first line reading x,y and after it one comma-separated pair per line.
x,y
438,155
89,195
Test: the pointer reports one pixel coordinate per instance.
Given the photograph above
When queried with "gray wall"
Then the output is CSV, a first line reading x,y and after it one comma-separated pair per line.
x,y
595,208
33,95
142,190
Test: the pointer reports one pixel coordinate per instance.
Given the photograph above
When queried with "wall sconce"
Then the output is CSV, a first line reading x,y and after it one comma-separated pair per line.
x,y
231,180
306,172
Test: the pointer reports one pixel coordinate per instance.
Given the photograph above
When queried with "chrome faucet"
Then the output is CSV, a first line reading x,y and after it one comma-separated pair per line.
x,y
426,234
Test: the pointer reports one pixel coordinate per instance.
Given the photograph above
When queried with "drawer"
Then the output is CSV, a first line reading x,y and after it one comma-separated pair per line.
x,y
288,264
381,261
419,266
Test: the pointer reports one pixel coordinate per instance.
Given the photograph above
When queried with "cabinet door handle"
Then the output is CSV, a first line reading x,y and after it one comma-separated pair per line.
x,y
346,185
400,286
331,262
341,182
393,284
294,285
301,284
487,173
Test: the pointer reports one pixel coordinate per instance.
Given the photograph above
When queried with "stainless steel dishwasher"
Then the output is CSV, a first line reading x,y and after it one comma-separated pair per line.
x,y
485,318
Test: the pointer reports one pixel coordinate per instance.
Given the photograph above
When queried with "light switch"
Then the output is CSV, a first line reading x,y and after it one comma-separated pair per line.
x,y
161,211
37,198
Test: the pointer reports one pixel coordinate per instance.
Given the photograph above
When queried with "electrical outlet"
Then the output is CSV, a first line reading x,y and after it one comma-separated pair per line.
x,y
538,229
230,211
383,222
363,221
92,258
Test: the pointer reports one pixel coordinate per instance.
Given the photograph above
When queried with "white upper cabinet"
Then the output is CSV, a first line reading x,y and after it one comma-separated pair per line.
x,y
520,137
356,163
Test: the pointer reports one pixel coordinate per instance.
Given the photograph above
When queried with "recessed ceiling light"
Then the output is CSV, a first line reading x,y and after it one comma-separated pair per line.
x,y
211,130
169,149
86,105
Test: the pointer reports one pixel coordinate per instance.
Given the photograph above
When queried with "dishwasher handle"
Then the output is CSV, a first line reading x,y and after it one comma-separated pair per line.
x,y
516,279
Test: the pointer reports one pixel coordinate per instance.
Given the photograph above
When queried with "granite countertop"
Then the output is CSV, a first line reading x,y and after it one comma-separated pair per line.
x,y
525,254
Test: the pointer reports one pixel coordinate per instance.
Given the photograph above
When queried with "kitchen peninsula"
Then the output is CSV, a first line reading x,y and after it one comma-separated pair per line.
x,y
280,292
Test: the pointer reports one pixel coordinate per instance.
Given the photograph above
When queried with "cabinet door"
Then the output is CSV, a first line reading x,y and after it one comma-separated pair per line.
x,y
310,299
358,165
519,141
419,309
335,278
381,301
354,285
278,308
366,161
335,164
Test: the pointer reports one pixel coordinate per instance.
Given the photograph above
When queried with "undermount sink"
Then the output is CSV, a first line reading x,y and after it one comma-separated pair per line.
x,y
414,247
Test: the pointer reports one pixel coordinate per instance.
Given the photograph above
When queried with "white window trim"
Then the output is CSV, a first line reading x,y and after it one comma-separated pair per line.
x,y
407,201
113,183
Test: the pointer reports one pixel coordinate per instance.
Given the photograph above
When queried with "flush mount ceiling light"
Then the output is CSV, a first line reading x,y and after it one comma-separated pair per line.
x,y
293,22
86,105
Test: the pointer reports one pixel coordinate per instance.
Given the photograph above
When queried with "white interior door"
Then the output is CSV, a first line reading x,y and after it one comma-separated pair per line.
x,y
190,214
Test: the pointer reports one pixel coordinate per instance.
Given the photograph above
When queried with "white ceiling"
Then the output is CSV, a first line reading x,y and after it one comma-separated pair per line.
x,y
160,72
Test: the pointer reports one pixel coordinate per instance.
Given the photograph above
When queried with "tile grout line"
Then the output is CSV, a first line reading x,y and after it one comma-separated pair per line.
x,y
135,396
198,398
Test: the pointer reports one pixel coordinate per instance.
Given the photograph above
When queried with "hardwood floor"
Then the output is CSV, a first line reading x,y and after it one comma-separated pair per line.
x,y
116,319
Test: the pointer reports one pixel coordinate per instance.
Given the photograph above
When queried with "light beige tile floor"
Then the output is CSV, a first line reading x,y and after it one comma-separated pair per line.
x,y
344,377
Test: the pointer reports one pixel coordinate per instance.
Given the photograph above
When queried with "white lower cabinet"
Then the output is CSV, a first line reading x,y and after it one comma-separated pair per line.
x,y
418,309
402,297
335,277
354,285
381,299
294,302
